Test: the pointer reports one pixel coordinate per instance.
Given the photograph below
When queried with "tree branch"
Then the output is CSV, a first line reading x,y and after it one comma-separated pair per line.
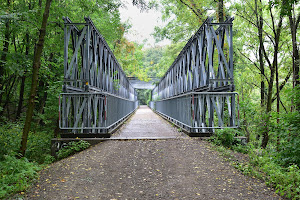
x,y
190,8
282,84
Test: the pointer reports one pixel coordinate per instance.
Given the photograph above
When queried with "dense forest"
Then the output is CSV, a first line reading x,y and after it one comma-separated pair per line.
x,y
266,69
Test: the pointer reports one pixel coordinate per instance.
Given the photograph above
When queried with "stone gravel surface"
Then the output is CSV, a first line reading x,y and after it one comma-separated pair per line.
x,y
178,168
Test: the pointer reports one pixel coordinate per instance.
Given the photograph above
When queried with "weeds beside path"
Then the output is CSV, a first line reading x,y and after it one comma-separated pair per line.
x,y
147,169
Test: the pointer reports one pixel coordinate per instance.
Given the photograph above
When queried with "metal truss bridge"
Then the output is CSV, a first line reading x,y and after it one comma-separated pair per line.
x,y
138,84
196,93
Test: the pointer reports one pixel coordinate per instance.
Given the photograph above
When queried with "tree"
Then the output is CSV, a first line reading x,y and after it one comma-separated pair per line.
x,y
288,9
35,73
269,46
5,50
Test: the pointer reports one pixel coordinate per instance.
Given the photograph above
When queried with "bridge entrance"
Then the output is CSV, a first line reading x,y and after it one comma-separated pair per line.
x,y
138,84
143,88
196,93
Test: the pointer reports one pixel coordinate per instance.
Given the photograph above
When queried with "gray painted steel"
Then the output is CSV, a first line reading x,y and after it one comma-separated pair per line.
x,y
138,84
97,95
197,90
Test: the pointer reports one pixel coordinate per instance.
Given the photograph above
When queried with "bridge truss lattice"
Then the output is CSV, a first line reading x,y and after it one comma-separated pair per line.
x,y
97,95
197,91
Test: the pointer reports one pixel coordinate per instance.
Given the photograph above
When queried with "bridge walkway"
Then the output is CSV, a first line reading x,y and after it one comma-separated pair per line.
x,y
145,124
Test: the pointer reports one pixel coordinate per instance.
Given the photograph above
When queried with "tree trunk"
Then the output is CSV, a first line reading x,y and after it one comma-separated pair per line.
x,y
220,10
277,103
4,53
42,101
23,78
57,129
8,89
35,71
265,139
294,22
21,96
273,67
259,24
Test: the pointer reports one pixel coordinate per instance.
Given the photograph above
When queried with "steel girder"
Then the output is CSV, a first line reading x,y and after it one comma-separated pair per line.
x,y
95,87
197,90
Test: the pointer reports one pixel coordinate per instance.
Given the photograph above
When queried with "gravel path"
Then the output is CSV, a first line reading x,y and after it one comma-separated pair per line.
x,y
179,168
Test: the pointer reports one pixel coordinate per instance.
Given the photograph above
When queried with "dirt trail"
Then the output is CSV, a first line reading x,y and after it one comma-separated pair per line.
x,y
179,168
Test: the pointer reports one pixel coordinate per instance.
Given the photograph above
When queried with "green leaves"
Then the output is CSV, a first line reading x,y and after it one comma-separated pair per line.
x,y
72,148
16,175
225,137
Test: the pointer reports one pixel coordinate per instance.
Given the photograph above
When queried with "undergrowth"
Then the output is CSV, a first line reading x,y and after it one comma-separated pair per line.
x,y
262,164
72,148
16,175
285,180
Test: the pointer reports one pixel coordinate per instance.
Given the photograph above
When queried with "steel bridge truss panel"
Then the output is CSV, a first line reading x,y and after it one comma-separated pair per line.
x,y
197,90
204,64
97,95
92,113
201,112
90,64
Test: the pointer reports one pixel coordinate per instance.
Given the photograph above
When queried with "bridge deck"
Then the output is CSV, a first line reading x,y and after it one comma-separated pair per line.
x,y
145,124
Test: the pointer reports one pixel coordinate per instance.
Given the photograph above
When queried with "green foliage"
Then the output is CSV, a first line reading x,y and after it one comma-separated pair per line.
x,y
38,143
144,96
170,53
224,137
289,149
49,159
286,181
152,57
181,21
38,146
130,56
10,139
16,175
72,148
262,165
241,148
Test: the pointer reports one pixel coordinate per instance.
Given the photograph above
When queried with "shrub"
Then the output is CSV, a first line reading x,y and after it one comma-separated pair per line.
x,y
10,139
289,132
16,175
72,148
286,181
38,146
225,137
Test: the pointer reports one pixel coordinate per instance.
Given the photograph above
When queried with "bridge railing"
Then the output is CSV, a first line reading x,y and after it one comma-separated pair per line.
x,y
97,95
201,112
197,90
